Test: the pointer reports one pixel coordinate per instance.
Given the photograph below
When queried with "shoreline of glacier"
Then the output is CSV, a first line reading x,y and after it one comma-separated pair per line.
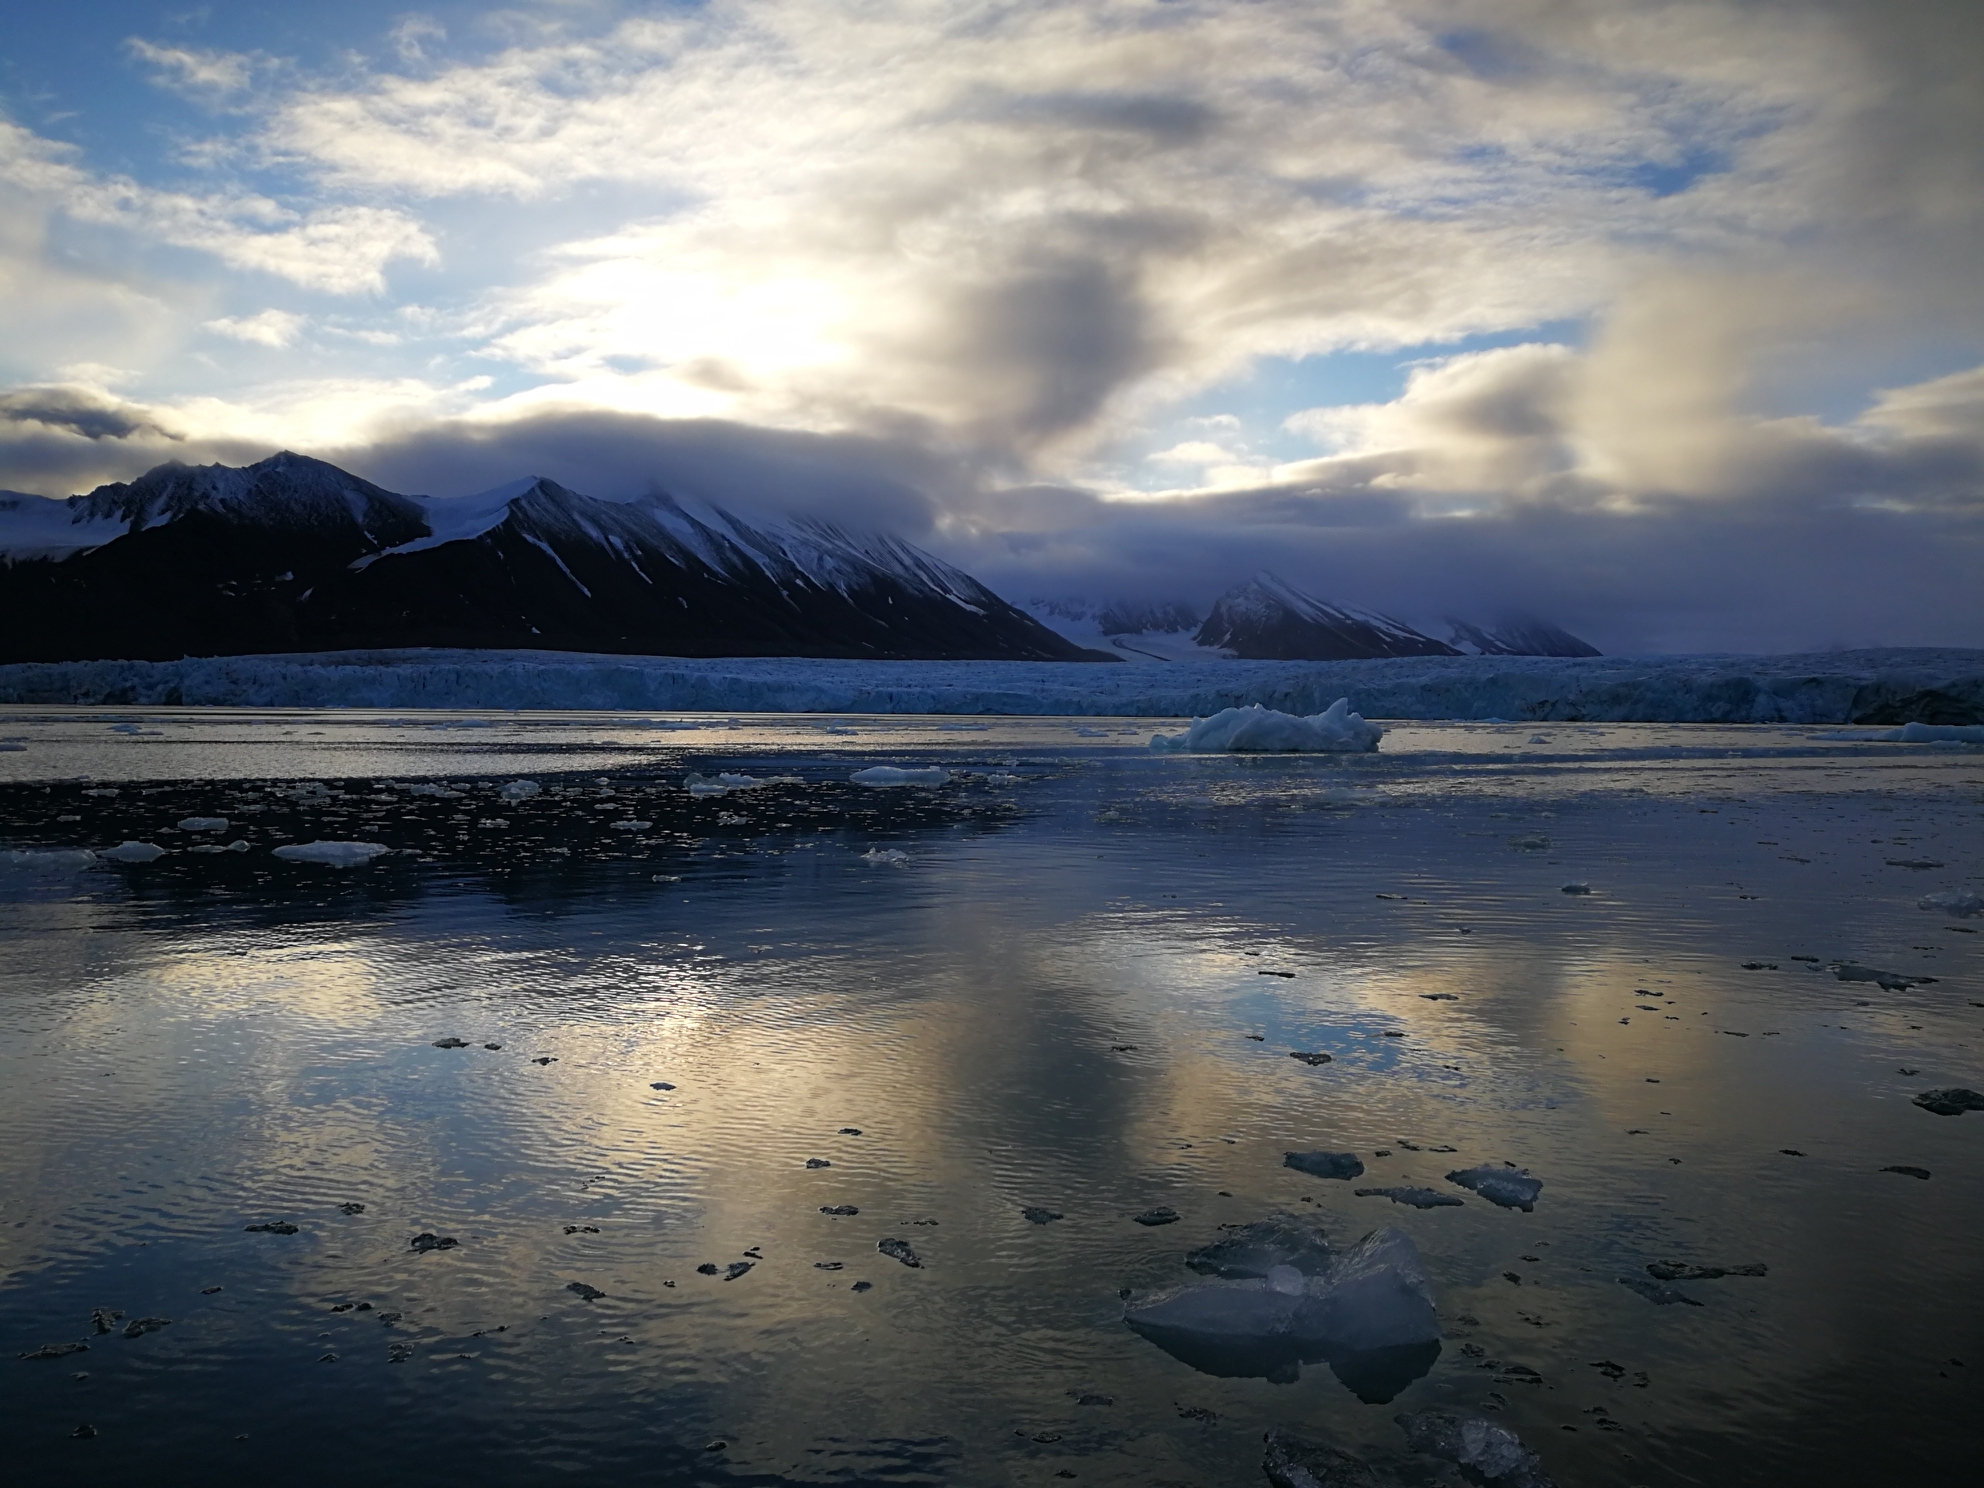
x,y
1886,687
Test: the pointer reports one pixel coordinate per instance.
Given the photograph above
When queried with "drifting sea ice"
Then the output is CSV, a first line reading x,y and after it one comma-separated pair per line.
x,y
1258,730
133,852
59,860
1256,1249
332,854
1934,733
1954,902
726,782
880,775
1371,1316
1493,1452
203,824
1508,1187
519,790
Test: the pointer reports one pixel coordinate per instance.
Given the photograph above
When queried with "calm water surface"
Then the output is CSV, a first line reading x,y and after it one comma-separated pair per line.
x,y
1058,997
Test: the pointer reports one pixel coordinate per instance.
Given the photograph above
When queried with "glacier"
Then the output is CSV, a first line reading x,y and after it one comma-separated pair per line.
x,y
1866,687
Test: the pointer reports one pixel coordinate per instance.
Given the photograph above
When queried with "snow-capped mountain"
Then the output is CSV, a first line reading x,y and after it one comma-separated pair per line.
x,y
293,554
1516,635
1133,630
1269,619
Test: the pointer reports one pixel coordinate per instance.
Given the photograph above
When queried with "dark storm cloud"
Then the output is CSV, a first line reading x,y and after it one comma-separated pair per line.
x,y
87,414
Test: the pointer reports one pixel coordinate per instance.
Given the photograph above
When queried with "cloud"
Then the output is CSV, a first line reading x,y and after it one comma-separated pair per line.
x,y
269,328
198,74
80,411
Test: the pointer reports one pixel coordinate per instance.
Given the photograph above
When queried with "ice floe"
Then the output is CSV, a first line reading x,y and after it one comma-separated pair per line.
x,y
1324,1164
1258,730
885,857
1252,1251
880,775
332,854
1511,1188
133,852
1935,733
1955,902
726,782
1370,1316
1495,1453
57,860
520,790
203,824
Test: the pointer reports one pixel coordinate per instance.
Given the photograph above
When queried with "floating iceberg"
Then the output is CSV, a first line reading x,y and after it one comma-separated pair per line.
x,y
1494,1453
878,775
203,824
725,783
520,790
1955,902
1324,1164
1370,1316
885,857
1935,733
1252,1251
1258,730
333,854
1511,1188
133,852
57,861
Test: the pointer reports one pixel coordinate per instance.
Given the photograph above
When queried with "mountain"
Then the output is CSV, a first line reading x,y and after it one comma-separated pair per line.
x,y
1132,630
1517,635
293,554
1268,619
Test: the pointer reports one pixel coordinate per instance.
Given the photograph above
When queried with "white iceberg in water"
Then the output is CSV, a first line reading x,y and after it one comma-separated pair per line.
x,y
133,852
333,854
1935,733
58,861
1370,1314
1258,730
895,775
520,790
1954,902
726,782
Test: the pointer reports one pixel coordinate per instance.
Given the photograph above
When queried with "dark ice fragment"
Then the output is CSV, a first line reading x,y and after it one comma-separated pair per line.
x,y
899,1250
1681,1271
838,1209
1308,1057
101,1318
1653,1291
427,1240
1510,1188
1324,1164
1163,1215
850,1131
1910,1172
451,1043
57,1350
1950,1102
736,1269
1418,1198
1036,1215
708,1268
139,1327
862,1286
1494,1453
1253,1250
352,1208
818,1162
1295,1461
274,1227
661,1085
587,1293
1892,981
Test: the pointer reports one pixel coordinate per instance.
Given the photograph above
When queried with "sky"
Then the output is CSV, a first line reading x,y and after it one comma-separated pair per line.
x,y
1664,321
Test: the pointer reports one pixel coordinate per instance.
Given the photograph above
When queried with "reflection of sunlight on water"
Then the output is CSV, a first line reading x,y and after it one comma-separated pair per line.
x,y
1055,1014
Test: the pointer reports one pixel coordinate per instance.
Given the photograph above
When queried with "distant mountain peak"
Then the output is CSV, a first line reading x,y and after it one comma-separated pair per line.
x,y
1516,634
1269,619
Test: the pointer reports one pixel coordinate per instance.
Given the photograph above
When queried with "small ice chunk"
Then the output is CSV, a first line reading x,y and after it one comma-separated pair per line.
x,y
238,845
1950,1102
726,782
1256,1249
1576,888
1493,1452
203,824
1259,730
1682,1271
1530,844
1295,1461
133,852
1656,1293
885,857
1954,902
520,790
332,854
1324,1164
1418,1198
880,775
1892,981
1935,733
439,792
57,861
1511,1188
631,825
